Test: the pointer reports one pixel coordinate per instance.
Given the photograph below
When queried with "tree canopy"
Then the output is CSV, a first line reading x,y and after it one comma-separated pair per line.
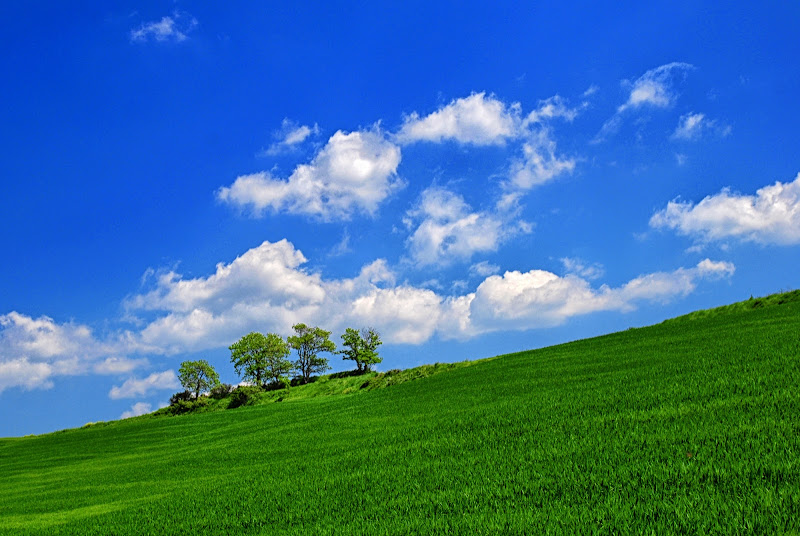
x,y
361,347
249,358
257,357
276,350
198,376
308,343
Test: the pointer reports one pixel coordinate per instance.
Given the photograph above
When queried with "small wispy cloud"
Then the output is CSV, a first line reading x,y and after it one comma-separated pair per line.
x,y
654,89
692,125
574,265
174,28
289,137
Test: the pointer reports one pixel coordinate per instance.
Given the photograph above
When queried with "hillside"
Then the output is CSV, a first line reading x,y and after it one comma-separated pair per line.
x,y
689,426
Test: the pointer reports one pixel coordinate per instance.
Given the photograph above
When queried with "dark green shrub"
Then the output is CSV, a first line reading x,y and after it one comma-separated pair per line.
x,y
186,406
221,391
244,395
298,380
281,383
183,396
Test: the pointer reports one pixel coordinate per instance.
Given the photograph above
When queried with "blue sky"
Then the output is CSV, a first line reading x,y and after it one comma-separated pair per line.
x,y
469,179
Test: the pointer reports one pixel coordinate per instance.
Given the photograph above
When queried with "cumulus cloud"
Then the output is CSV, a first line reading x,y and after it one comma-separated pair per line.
x,y
175,28
538,298
290,135
354,172
771,216
33,351
482,120
477,120
139,408
135,387
22,372
446,229
407,314
267,289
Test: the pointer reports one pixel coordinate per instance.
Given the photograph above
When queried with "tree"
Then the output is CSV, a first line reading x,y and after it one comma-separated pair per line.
x,y
361,347
198,376
308,343
256,357
276,351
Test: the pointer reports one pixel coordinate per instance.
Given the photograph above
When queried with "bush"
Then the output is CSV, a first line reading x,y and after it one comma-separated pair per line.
x,y
183,396
186,406
298,380
244,395
281,383
221,391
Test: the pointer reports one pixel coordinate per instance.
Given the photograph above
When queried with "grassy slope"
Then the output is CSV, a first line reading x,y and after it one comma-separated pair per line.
x,y
342,383
692,425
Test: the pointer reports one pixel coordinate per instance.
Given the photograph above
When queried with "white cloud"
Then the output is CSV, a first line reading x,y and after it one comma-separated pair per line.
x,y
134,387
654,88
477,120
266,289
354,172
265,282
118,365
290,135
539,164
591,90
175,28
407,314
772,216
538,298
35,350
553,108
21,372
664,286
448,230
139,408
583,269
692,125
484,268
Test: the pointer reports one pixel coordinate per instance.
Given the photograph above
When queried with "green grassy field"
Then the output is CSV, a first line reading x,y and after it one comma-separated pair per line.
x,y
689,426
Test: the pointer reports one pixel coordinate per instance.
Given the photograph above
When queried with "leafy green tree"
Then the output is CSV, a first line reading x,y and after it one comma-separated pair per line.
x,y
361,347
308,343
276,351
198,376
249,358
257,357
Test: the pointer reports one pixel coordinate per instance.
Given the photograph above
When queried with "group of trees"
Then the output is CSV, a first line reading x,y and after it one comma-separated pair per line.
x,y
264,359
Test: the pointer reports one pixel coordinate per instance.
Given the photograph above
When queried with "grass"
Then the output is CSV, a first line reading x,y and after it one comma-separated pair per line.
x,y
689,426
